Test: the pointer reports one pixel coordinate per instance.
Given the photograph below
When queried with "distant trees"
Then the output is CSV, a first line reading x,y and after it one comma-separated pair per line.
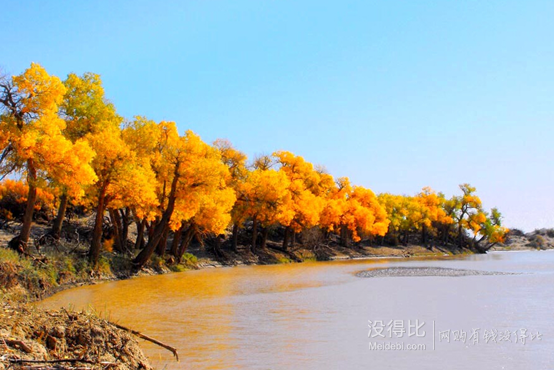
x,y
460,220
69,147
354,212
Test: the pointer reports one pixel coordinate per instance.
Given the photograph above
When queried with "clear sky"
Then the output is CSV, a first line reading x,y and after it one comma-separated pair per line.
x,y
396,95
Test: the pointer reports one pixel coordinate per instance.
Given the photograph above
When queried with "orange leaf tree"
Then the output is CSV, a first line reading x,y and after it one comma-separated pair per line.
x,y
33,143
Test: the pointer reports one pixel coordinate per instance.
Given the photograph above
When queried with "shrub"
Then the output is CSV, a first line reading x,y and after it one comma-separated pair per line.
x,y
156,262
103,267
516,232
178,268
283,259
67,265
538,242
189,260
120,264
312,237
9,255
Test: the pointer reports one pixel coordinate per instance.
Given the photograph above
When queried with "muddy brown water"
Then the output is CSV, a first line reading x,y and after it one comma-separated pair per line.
x,y
322,316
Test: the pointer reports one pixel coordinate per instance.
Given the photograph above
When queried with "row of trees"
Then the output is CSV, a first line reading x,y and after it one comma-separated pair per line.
x,y
66,139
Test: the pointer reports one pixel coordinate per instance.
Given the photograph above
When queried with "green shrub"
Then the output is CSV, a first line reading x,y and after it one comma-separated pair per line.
x,y
120,264
189,260
82,266
65,263
9,255
178,268
156,262
283,259
103,267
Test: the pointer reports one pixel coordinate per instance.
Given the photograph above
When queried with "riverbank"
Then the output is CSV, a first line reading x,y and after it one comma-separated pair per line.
x,y
251,316
32,334
64,265
24,279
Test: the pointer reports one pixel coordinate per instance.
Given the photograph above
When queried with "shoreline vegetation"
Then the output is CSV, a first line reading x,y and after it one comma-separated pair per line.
x,y
61,266
87,195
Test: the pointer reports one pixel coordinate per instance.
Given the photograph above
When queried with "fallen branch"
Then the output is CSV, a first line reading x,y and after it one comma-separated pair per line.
x,y
145,337
56,367
69,316
70,360
18,344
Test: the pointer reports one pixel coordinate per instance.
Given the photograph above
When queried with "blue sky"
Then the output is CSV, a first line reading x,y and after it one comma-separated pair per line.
x,y
396,95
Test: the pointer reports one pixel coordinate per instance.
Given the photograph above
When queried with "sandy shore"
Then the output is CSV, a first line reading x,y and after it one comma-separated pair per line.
x,y
424,271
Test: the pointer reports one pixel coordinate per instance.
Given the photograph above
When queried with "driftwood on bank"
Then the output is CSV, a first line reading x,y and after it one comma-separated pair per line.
x,y
17,344
69,360
138,334
145,337
53,367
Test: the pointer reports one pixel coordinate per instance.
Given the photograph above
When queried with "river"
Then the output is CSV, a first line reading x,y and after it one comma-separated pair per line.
x,y
322,316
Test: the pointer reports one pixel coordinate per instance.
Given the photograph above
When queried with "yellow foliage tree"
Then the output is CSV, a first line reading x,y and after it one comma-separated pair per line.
x,y
306,186
187,171
235,160
33,143
85,110
468,213
123,180
354,211
265,199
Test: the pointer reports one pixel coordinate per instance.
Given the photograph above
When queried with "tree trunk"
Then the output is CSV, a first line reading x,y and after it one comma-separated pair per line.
x,y
217,246
145,254
20,242
424,236
265,232
344,236
483,249
254,233
58,221
139,244
162,245
28,217
235,237
286,238
96,243
125,222
460,238
116,224
185,242
151,227
177,240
